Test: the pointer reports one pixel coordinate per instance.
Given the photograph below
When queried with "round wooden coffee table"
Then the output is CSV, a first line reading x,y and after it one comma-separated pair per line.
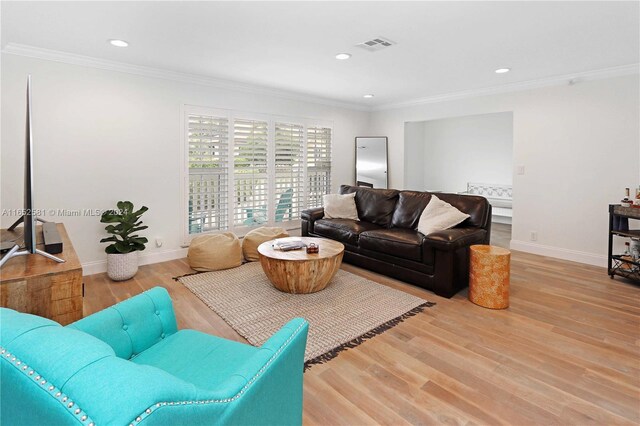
x,y
296,271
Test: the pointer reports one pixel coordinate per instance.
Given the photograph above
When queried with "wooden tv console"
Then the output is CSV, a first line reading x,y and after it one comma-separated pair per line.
x,y
40,286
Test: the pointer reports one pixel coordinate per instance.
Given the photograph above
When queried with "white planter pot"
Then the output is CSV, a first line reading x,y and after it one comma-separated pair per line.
x,y
121,267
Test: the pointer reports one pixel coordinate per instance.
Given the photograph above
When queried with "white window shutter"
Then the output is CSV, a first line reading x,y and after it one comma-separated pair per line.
x,y
250,143
208,173
318,164
245,172
289,172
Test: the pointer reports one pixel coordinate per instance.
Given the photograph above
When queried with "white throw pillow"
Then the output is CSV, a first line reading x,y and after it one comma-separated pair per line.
x,y
438,216
338,206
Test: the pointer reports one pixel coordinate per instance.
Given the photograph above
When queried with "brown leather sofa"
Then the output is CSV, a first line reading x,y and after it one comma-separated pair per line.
x,y
385,239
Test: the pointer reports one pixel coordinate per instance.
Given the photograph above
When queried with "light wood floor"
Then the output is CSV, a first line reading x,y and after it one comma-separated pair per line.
x,y
500,234
567,351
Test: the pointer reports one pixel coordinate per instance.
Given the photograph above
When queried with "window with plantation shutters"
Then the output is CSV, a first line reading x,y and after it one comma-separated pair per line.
x,y
250,175
318,164
289,171
208,173
246,170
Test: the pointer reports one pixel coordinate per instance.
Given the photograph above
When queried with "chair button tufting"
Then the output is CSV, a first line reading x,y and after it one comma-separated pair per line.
x,y
162,336
157,312
124,327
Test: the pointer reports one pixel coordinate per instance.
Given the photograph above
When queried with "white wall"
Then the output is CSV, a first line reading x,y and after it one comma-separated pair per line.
x,y
413,162
103,136
580,146
455,151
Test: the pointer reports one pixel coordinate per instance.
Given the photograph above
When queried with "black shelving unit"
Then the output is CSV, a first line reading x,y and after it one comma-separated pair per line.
x,y
616,264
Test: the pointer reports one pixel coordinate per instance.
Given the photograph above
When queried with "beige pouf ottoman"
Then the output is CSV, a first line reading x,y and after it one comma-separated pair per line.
x,y
214,252
254,238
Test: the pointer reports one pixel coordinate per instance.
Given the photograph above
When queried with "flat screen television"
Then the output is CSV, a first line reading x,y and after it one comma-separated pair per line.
x,y
28,217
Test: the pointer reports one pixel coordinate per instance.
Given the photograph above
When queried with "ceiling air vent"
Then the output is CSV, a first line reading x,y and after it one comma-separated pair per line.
x,y
375,44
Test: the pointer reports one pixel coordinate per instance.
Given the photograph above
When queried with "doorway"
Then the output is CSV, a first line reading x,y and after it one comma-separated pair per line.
x,y
465,155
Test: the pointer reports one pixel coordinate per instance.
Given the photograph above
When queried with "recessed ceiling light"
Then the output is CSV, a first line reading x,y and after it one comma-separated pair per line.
x,y
118,43
502,70
343,56
368,96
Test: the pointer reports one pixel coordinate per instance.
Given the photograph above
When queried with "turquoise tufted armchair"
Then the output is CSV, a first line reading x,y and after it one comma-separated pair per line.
x,y
129,365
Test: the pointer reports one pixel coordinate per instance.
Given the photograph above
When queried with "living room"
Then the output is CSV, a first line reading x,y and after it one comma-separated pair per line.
x,y
236,124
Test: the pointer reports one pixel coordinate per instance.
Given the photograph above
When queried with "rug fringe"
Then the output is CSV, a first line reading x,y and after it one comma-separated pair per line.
x,y
328,356
187,275
200,272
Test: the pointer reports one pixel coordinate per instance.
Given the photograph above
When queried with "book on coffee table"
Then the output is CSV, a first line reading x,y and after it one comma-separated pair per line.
x,y
290,245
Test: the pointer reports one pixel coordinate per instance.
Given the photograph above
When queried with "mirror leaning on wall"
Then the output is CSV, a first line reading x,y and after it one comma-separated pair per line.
x,y
371,161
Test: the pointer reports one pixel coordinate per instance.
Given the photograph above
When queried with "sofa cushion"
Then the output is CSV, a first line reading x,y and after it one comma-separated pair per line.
x,y
344,230
475,206
375,260
403,243
438,216
409,208
196,357
338,206
374,205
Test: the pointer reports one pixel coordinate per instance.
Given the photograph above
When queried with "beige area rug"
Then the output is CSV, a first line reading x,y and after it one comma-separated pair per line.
x,y
349,311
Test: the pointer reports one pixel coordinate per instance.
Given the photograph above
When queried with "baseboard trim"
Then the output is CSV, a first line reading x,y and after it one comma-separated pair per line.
x,y
100,266
560,253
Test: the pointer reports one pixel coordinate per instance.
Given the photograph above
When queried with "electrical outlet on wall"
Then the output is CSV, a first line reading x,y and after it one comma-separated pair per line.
x,y
520,169
534,236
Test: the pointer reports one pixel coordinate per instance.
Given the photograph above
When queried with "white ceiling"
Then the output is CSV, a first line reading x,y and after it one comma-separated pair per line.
x,y
442,47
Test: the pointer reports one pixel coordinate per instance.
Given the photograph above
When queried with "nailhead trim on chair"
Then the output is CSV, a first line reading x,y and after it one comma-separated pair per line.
x,y
42,382
155,406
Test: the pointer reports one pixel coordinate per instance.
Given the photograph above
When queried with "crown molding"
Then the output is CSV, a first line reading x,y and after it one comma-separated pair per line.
x,y
558,80
88,61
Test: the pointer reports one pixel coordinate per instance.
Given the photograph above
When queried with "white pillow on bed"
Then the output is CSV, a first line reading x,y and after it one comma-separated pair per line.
x,y
438,216
338,206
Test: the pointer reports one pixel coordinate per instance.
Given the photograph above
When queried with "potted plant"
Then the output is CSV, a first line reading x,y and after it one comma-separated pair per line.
x,y
122,254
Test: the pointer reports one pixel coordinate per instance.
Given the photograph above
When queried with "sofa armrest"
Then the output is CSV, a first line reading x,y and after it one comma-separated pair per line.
x,y
313,214
271,381
309,217
452,239
266,390
133,325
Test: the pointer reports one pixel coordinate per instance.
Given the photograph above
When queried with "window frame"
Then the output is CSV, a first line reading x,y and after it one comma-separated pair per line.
x,y
231,115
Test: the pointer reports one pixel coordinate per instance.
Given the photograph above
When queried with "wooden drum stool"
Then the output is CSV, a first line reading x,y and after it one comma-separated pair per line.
x,y
489,276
